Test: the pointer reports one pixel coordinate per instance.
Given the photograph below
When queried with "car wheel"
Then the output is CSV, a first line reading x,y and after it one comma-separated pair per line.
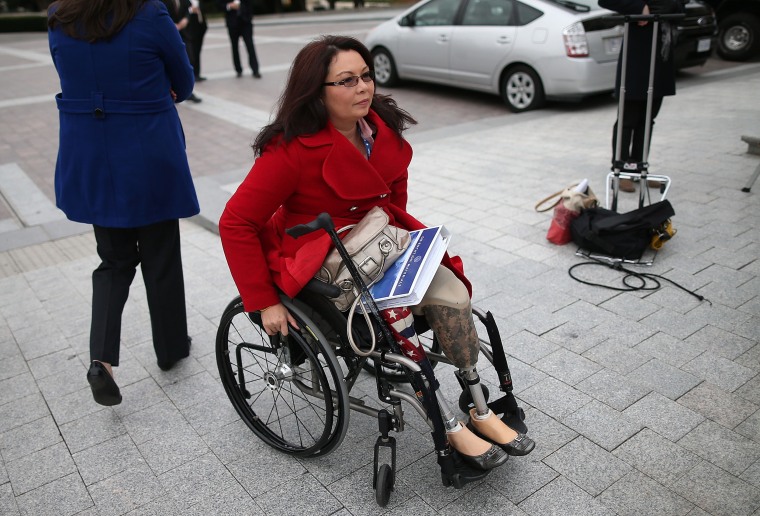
x,y
385,68
521,89
739,37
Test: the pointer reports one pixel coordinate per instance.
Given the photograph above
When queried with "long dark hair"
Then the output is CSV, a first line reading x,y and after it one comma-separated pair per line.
x,y
92,20
300,109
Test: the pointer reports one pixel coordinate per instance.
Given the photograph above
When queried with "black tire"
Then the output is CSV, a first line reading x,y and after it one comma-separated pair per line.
x,y
385,67
521,89
290,393
384,485
739,37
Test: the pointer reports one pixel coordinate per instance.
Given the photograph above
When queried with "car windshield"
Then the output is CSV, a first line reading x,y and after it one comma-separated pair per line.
x,y
582,6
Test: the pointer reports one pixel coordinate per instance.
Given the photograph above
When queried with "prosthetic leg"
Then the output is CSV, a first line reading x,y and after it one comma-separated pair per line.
x,y
481,455
456,333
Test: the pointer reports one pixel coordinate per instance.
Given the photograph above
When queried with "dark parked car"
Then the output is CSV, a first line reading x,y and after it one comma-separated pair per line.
x,y
738,28
694,35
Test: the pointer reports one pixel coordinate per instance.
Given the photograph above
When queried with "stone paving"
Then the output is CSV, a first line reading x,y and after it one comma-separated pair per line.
x,y
640,402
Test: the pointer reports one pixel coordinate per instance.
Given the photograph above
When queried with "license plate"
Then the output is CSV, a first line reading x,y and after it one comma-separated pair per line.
x,y
703,45
612,45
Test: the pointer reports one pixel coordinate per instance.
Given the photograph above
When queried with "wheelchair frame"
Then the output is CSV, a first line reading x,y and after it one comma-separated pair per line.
x,y
309,388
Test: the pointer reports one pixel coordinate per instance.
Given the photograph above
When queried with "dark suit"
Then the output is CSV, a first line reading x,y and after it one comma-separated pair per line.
x,y
240,25
637,77
192,34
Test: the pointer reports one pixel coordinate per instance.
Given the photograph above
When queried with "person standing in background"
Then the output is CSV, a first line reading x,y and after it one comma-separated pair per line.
x,y
239,19
179,10
193,37
637,76
122,166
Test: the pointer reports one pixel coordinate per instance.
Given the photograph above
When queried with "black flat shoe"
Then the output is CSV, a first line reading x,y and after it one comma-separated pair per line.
x,y
104,388
256,75
519,446
492,458
166,366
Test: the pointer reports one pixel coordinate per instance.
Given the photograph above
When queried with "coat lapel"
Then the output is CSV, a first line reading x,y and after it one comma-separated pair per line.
x,y
350,174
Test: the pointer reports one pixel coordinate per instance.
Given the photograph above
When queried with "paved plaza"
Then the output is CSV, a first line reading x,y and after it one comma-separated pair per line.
x,y
640,402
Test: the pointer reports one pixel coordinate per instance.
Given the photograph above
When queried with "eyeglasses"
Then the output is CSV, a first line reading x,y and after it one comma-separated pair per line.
x,y
353,80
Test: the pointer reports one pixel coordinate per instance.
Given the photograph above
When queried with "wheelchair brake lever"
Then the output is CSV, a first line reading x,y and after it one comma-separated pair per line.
x,y
323,221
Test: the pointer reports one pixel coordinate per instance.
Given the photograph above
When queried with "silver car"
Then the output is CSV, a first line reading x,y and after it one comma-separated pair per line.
x,y
524,50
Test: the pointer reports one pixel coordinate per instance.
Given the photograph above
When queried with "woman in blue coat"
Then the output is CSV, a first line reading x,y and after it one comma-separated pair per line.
x,y
122,165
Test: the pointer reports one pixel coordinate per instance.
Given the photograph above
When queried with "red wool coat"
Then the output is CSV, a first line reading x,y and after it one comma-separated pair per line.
x,y
291,184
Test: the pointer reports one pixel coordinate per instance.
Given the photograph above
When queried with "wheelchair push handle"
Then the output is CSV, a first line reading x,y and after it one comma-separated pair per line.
x,y
323,221
643,17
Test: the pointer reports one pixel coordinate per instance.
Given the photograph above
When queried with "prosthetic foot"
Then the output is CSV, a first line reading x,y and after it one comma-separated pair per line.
x,y
486,425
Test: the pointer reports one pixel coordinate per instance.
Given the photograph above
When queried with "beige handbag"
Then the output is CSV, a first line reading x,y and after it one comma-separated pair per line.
x,y
373,245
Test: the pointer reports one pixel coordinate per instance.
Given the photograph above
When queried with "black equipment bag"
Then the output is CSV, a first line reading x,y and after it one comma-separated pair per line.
x,y
621,235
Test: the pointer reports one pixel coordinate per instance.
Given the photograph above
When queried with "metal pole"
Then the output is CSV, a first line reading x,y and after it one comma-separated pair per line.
x,y
648,126
621,102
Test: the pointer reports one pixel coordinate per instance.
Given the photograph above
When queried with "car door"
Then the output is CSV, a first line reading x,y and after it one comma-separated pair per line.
x,y
424,46
482,41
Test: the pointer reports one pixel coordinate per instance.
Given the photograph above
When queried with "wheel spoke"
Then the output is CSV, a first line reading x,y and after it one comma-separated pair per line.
x,y
291,396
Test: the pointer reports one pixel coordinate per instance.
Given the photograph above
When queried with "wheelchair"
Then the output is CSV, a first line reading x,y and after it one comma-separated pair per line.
x,y
293,391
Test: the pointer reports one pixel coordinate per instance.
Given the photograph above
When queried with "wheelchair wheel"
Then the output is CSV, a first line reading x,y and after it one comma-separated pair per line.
x,y
288,390
384,485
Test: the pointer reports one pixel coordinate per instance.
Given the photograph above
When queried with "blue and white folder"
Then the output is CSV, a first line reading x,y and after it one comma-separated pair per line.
x,y
406,282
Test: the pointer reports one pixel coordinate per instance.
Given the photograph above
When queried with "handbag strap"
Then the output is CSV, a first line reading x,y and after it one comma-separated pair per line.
x,y
558,195
349,329
552,196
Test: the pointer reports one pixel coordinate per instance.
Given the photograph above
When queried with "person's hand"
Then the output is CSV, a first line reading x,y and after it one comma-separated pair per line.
x,y
233,6
182,24
195,10
173,94
275,319
645,11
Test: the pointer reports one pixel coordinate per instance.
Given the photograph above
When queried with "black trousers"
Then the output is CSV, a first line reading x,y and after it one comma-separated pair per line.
x,y
242,29
634,125
156,248
193,44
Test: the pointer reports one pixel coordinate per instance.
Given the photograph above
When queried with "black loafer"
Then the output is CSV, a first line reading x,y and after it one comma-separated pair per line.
x,y
519,446
104,388
492,458
166,366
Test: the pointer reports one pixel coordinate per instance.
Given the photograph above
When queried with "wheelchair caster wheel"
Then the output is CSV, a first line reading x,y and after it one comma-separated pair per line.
x,y
465,399
384,485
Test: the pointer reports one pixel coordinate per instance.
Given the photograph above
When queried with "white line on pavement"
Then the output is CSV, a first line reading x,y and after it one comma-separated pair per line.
x,y
28,202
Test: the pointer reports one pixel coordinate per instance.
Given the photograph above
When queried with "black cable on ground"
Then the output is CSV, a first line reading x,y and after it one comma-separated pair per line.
x,y
646,280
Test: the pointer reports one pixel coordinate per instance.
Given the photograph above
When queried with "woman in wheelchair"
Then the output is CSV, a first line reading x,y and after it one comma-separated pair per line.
x,y
337,146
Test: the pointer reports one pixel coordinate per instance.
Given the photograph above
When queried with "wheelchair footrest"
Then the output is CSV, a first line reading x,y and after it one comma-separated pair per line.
x,y
513,415
461,474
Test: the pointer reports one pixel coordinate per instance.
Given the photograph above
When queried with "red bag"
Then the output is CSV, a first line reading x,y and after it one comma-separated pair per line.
x,y
567,207
559,230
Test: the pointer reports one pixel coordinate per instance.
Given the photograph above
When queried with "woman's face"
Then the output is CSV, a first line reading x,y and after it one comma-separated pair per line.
x,y
346,105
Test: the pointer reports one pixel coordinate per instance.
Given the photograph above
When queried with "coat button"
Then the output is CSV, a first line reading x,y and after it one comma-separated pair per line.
x,y
383,196
98,113
352,208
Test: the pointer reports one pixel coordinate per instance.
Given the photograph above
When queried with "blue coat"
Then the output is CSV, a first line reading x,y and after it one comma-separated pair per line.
x,y
122,160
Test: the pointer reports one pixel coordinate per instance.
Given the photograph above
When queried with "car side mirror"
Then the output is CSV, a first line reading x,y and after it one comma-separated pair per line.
x,y
407,21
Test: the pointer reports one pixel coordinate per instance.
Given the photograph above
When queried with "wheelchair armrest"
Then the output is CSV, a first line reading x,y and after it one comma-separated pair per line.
x,y
322,288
